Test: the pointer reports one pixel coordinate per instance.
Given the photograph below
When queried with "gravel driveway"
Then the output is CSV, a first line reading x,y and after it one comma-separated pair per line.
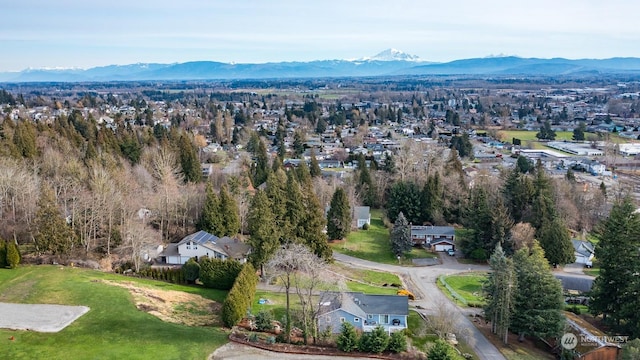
x,y
39,317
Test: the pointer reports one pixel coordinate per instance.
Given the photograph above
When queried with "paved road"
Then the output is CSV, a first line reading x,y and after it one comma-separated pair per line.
x,y
422,281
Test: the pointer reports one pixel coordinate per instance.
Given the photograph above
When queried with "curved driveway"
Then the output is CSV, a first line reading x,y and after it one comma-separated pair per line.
x,y
422,281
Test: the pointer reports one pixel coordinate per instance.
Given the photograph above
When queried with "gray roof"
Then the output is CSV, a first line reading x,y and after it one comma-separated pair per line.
x,y
584,248
433,230
234,248
582,284
201,237
361,212
360,304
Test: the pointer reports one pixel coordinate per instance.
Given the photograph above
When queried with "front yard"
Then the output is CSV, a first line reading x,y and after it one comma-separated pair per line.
x,y
465,289
374,244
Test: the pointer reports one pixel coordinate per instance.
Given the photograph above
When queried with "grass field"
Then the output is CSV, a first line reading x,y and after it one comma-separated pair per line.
x,y
469,286
524,135
113,329
374,245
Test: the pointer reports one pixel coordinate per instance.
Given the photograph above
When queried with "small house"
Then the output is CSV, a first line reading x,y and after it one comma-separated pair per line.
x,y
583,251
362,215
441,238
364,312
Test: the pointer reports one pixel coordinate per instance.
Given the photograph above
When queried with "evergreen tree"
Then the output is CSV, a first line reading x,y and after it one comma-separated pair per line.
x,y
189,160
13,255
407,198
366,186
556,242
578,132
339,216
24,138
295,212
432,195
478,244
538,302
314,223
401,242
298,144
191,271
260,171
500,291
523,165
264,239
53,234
229,213
211,220
314,168
615,291
375,341
518,194
389,164
347,341
277,193
397,341
441,351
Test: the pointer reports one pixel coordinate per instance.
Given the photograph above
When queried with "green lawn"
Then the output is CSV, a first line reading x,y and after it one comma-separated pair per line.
x,y
524,135
374,245
469,286
113,329
595,271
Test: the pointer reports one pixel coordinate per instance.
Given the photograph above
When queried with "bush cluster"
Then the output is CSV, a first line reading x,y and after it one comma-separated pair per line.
x,y
240,297
376,341
9,254
219,274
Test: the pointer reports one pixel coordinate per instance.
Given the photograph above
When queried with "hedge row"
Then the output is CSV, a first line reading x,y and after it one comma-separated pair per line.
x,y
240,298
175,276
219,274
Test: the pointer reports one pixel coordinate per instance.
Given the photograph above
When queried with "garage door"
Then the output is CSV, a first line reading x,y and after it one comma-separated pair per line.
x,y
443,247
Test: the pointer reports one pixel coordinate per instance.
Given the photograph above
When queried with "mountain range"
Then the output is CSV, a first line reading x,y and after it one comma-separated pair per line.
x,y
390,62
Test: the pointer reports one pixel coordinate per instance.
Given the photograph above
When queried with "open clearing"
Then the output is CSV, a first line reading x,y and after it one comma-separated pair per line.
x,y
39,317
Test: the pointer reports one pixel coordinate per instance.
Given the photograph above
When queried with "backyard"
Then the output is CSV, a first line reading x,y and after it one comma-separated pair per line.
x,y
374,245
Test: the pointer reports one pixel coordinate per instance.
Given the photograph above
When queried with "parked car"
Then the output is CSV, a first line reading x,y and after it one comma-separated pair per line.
x,y
451,252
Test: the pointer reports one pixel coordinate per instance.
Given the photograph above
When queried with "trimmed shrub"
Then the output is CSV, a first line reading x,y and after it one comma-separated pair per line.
x,y
3,254
397,342
191,270
240,297
365,226
479,255
348,339
13,255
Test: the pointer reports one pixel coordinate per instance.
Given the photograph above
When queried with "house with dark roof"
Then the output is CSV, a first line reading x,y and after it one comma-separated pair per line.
x,y
441,238
364,312
362,215
201,244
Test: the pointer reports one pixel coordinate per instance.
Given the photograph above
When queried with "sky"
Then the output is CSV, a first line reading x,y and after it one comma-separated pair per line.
x,y
83,34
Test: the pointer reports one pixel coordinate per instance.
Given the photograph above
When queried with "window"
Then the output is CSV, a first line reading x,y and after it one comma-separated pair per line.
x,y
385,319
369,316
356,319
342,320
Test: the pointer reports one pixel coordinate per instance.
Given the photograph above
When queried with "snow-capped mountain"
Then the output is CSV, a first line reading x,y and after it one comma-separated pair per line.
x,y
393,55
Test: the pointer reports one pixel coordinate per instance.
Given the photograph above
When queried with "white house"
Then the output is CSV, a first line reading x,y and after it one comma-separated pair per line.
x,y
203,244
